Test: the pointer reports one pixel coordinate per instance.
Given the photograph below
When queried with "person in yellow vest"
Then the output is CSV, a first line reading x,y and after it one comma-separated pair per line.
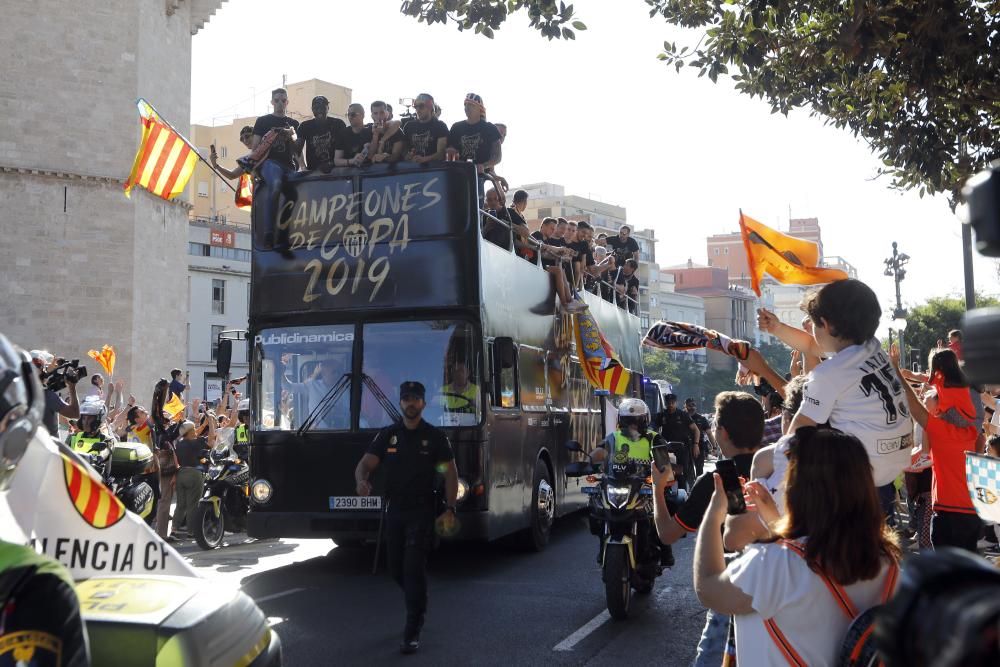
x,y
634,439
91,438
40,621
242,434
460,395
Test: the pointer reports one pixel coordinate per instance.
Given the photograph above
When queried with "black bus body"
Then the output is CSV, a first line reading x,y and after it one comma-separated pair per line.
x,y
362,279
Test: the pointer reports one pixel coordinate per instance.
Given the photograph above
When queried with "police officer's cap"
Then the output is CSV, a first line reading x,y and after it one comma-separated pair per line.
x,y
411,388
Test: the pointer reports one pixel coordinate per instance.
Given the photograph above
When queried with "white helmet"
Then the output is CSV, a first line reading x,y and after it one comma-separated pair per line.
x,y
94,407
633,412
244,405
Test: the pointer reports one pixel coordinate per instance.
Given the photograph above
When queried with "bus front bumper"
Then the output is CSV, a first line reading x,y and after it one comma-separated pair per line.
x,y
349,525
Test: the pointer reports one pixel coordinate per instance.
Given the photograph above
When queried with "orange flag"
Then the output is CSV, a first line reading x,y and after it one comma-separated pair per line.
x,y
106,358
174,406
787,259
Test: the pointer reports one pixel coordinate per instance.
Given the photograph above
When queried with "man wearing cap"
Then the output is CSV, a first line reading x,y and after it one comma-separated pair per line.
x,y
319,136
411,452
426,137
474,138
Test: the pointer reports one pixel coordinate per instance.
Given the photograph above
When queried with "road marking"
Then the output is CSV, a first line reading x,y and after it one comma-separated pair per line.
x,y
273,596
274,620
578,636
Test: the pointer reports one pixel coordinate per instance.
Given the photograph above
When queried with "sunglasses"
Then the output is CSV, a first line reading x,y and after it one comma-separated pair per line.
x,y
419,105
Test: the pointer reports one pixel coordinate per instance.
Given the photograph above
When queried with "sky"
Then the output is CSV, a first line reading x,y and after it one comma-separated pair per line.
x,y
604,118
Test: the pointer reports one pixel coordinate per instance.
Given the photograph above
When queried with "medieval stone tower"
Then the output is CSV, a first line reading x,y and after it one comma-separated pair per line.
x,y
81,265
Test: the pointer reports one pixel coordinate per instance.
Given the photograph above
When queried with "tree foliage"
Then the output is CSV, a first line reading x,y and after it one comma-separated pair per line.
x,y
930,322
918,80
553,20
688,378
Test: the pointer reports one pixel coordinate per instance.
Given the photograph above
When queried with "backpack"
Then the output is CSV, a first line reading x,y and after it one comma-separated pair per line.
x,y
166,454
858,646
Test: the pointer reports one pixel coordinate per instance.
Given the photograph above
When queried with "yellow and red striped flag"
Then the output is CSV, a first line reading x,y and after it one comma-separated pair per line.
x,y
165,160
174,407
244,193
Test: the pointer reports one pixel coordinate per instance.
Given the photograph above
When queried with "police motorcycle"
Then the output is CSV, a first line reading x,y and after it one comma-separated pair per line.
x,y
621,511
225,502
120,464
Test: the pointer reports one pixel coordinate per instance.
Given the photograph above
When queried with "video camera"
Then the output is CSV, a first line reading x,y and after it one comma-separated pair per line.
x,y
981,345
65,371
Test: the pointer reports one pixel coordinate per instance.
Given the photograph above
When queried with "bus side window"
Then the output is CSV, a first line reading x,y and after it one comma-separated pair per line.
x,y
504,357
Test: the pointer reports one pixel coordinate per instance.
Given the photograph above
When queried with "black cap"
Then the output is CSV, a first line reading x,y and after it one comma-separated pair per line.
x,y
411,388
670,397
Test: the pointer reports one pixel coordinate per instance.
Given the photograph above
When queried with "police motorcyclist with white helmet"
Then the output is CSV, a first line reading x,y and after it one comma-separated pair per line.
x,y
40,620
92,438
635,439
242,432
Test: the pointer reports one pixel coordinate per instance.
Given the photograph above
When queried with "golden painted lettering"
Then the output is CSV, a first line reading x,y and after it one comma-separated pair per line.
x,y
285,214
313,239
326,251
316,267
406,204
388,203
371,210
377,273
334,290
432,196
337,202
381,229
301,215
359,272
355,204
402,236
296,240
317,212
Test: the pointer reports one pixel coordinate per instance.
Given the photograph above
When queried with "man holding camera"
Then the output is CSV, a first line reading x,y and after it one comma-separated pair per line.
x,y
54,404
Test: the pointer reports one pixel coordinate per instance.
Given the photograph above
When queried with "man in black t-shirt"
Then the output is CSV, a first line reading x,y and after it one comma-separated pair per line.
x,y
426,137
387,136
705,442
353,139
676,426
283,150
410,452
739,426
623,246
627,286
319,136
474,139
554,251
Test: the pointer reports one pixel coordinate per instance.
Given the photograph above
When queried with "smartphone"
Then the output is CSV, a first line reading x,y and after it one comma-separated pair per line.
x,y
661,457
731,483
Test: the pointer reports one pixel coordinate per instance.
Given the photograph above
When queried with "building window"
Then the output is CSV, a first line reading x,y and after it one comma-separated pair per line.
x,y
545,213
725,251
202,188
652,301
716,251
223,151
216,331
218,297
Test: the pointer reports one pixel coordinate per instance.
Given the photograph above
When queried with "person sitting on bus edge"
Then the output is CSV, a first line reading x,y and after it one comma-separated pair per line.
x,y
500,180
515,214
551,256
475,138
283,149
387,137
623,245
497,233
634,439
584,265
246,138
355,137
460,395
426,136
319,135
627,287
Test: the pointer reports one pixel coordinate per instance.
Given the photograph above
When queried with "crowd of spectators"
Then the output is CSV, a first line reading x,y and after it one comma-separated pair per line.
x,y
181,432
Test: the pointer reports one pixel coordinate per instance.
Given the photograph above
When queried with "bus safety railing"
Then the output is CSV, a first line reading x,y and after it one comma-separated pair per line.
x,y
515,242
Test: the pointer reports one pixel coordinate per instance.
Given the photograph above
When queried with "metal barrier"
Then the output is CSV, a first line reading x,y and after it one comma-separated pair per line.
x,y
625,302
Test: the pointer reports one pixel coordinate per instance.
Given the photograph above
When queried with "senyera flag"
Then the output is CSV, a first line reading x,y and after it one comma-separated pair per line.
x,y
244,192
600,365
165,160
789,260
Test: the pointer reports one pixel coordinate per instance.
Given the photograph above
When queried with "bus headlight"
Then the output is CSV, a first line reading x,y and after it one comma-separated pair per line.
x,y
261,491
463,489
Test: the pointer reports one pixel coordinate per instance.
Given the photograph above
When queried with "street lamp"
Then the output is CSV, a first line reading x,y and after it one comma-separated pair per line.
x,y
894,269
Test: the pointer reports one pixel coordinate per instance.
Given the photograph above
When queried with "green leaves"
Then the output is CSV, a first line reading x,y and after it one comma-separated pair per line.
x,y
552,20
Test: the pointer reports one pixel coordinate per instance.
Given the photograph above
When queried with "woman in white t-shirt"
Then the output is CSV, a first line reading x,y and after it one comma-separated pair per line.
x,y
833,524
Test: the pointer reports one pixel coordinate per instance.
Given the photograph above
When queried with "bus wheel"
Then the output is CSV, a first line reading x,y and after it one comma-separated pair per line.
x,y
542,509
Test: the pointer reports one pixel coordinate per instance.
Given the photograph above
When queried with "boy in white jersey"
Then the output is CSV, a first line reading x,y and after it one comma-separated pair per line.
x,y
856,389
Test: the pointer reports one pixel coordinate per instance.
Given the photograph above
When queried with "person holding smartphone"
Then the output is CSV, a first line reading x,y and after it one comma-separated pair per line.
x,y
739,427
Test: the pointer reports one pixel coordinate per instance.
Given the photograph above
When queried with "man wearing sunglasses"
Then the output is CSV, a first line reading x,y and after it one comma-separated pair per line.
x,y
426,137
39,609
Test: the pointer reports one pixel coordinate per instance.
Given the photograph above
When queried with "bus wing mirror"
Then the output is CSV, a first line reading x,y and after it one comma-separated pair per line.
x,y
578,469
573,446
224,357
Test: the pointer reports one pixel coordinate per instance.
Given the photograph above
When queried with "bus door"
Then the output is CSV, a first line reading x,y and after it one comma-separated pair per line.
x,y
557,388
538,435
506,441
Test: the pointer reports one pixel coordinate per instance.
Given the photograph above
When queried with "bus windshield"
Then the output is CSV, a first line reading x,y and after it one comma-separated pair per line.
x,y
440,354
305,377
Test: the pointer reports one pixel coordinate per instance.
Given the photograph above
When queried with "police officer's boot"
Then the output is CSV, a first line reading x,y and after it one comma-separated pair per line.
x,y
411,635
666,555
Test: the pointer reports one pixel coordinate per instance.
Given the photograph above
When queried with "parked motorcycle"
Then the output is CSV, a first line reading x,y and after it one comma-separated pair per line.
x,y
621,514
225,502
120,466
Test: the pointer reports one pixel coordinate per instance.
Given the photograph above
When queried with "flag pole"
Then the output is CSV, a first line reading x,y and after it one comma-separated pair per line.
x,y
142,101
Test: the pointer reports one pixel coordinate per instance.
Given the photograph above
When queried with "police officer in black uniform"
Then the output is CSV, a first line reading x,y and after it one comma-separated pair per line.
x,y
412,452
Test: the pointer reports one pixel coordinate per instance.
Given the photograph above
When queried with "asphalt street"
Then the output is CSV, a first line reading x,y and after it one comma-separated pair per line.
x,y
490,604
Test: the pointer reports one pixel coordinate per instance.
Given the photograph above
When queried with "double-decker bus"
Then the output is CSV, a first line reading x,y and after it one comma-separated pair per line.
x,y
363,279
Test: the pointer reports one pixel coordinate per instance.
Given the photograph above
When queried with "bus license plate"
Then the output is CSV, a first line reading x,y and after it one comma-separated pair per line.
x,y
355,502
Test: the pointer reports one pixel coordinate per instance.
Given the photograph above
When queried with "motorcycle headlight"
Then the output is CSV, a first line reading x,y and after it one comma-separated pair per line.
x,y
261,491
463,489
214,471
618,495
